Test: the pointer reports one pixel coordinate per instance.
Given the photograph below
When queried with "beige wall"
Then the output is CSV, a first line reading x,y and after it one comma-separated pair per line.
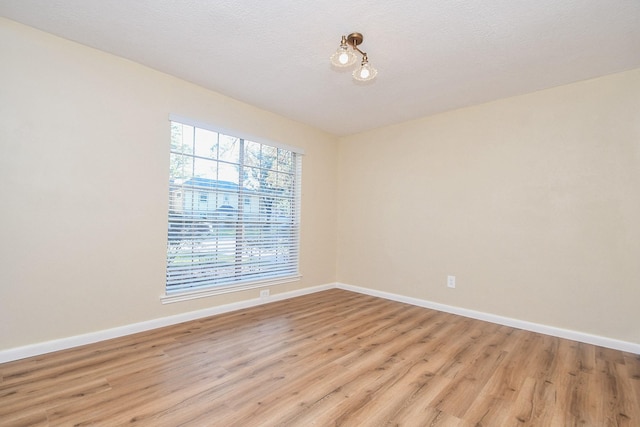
x,y
84,139
532,202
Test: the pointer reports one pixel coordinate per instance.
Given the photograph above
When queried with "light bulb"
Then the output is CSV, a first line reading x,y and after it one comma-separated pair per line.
x,y
343,57
365,73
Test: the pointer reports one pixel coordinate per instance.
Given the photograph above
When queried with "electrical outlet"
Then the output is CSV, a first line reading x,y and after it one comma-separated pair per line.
x,y
264,293
451,281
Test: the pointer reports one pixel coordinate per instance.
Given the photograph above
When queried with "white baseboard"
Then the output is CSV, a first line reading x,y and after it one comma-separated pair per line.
x,y
78,340
507,321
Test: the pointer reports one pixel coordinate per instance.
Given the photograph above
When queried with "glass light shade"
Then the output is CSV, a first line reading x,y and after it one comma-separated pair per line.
x,y
343,57
365,72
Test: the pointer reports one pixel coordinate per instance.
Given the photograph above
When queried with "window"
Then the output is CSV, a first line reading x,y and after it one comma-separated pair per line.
x,y
234,209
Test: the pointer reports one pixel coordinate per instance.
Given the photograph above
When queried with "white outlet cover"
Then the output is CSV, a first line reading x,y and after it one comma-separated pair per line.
x,y
451,281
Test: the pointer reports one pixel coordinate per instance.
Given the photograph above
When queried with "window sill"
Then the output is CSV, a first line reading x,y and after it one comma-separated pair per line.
x,y
218,290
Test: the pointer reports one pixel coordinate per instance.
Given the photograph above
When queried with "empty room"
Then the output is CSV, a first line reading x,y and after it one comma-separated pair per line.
x,y
276,213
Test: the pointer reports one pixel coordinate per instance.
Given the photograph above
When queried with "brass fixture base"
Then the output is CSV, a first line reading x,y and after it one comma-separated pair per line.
x,y
354,39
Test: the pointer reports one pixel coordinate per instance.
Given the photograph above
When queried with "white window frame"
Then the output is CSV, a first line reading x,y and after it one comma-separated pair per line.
x,y
182,291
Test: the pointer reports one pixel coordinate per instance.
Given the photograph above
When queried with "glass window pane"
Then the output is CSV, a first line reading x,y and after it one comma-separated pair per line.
x,y
206,143
180,166
229,149
176,137
205,168
181,138
252,153
228,173
285,160
268,158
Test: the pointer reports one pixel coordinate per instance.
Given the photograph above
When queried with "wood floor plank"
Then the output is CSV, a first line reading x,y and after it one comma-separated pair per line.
x,y
535,404
417,407
330,358
29,419
507,381
621,407
50,396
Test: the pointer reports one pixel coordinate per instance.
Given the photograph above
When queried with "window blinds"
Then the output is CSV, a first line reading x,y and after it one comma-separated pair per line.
x,y
234,211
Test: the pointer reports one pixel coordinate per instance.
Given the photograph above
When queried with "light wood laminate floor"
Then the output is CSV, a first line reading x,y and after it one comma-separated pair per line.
x,y
330,358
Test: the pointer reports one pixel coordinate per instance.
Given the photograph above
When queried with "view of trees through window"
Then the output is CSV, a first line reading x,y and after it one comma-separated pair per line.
x,y
233,210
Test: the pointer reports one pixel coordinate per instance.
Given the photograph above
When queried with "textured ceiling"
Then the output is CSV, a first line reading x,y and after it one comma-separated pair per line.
x,y
431,56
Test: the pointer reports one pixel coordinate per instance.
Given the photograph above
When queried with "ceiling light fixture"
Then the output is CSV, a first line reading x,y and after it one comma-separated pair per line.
x,y
345,57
